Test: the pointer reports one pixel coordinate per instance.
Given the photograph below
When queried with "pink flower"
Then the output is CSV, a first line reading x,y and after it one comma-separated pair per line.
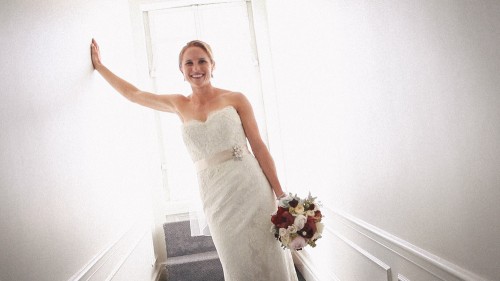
x,y
298,243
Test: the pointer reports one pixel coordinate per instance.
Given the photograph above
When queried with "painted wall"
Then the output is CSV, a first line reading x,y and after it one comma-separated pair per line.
x,y
390,113
77,160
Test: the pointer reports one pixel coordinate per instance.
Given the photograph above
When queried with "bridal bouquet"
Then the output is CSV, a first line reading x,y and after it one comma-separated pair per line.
x,y
297,223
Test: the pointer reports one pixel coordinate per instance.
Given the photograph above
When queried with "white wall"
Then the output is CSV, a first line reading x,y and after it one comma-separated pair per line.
x,y
389,112
77,160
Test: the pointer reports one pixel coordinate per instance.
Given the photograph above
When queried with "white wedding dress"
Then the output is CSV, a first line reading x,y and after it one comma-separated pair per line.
x,y
237,201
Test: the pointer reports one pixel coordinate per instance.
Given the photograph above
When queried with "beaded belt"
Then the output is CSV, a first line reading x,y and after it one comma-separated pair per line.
x,y
236,153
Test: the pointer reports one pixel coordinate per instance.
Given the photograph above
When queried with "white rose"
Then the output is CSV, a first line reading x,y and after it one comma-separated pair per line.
x,y
283,232
299,209
316,235
310,213
300,221
319,227
319,231
292,229
285,240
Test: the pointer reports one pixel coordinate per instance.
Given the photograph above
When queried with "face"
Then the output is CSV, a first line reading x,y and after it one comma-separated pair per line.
x,y
196,66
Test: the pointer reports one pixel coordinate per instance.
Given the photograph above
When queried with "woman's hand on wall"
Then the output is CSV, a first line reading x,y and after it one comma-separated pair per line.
x,y
95,54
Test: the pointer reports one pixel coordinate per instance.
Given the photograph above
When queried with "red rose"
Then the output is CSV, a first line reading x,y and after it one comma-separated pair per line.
x,y
318,215
309,228
281,210
282,219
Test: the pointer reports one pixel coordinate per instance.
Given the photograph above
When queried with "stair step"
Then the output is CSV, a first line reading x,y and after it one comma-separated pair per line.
x,y
200,257
196,267
179,241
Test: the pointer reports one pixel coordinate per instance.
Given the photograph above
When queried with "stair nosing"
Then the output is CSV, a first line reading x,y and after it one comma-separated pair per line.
x,y
204,256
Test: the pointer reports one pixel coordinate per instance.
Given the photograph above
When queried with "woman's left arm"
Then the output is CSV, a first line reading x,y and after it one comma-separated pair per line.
x,y
259,148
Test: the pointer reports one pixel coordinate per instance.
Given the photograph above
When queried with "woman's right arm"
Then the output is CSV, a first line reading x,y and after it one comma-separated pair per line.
x,y
166,103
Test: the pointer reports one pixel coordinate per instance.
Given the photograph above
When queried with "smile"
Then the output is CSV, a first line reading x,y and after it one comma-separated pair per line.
x,y
197,75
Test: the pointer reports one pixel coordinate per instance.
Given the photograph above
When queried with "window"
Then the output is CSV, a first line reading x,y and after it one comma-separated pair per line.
x,y
228,28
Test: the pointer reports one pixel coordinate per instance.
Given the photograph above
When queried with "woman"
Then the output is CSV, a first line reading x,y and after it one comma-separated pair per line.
x,y
235,186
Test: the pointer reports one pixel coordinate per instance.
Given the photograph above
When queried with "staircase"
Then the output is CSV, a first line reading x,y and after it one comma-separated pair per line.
x,y
190,258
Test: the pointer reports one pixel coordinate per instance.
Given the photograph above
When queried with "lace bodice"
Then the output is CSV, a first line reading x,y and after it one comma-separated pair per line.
x,y
221,131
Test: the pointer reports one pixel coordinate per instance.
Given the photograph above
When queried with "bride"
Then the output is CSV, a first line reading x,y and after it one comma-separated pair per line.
x,y
236,186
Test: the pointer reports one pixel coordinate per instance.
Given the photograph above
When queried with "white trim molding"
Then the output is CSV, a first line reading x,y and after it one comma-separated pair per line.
x,y
382,265
418,256
108,262
353,248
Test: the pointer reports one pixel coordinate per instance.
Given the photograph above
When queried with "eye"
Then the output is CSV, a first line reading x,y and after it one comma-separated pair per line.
x,y
203,61
188,62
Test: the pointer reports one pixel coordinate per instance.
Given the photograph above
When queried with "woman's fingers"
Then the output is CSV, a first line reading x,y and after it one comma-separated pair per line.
x,y
94,46
95,54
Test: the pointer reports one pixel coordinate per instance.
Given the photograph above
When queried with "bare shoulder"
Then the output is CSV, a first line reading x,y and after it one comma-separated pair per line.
x,y
179,100
242,105
237,99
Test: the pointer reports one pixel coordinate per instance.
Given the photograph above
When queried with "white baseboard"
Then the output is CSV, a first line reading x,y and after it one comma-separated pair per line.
x,y
108,262
159,271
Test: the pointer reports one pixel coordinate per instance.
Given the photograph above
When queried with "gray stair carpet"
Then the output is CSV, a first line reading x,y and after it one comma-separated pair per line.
x,y
191,258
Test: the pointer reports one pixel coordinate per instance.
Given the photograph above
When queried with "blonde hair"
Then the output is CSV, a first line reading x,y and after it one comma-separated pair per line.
x,y
196,43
